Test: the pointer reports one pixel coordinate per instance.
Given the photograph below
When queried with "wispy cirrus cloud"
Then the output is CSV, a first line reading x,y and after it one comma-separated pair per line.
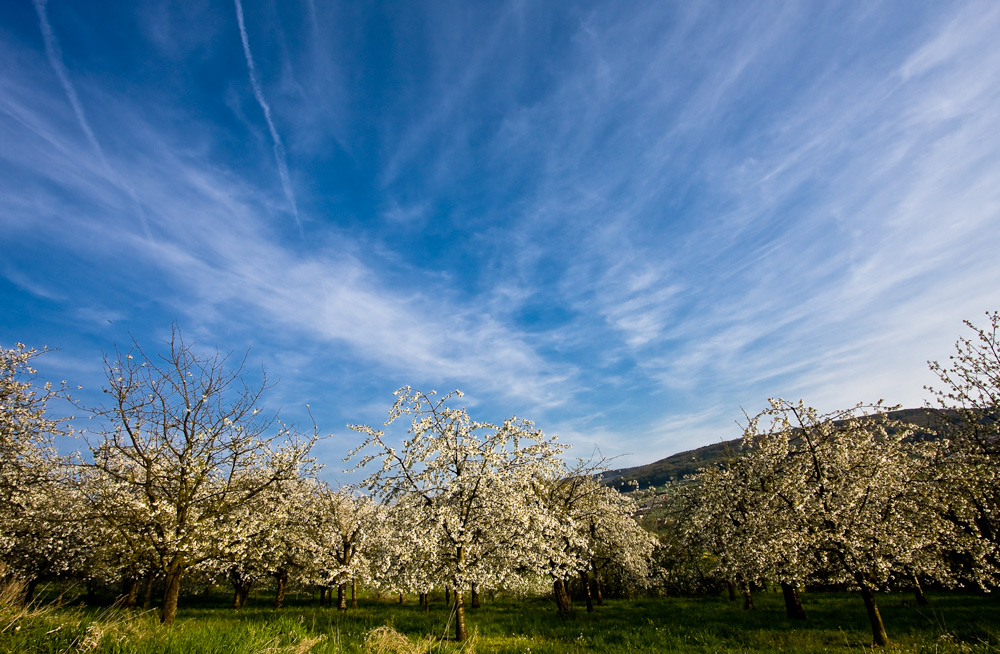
x,y
218,253
843,217
624,223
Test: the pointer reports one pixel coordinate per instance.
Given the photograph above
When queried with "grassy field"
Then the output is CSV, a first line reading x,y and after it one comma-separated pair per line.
x,y
837,623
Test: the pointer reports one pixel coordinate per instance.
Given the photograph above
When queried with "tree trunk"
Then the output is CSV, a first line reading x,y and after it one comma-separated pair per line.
x,y
563,603
879,637
322,595
585,580
918,592
130,592
447,595
793,605
171,591
241,591
341,596
460,633
279,598
598,590
475,597
731,587
747,598
147,594
29,590
354,592
401,598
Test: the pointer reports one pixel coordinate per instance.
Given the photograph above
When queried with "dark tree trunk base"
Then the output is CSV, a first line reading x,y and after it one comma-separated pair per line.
x,y
879,637
279,597
147,595
172,592
130,593
563,603
585,582
793,605
918,592
598,590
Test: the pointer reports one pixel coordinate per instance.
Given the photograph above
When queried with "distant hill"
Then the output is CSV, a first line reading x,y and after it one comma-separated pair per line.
x,y
677,466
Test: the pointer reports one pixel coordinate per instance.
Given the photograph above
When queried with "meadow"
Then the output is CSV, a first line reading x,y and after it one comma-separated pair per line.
x,y
953,622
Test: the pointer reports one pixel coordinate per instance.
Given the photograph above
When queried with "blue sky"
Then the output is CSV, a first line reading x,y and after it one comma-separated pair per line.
x,y
623,220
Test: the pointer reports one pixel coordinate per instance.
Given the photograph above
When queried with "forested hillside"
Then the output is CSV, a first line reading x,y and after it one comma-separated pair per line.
x,y
683,464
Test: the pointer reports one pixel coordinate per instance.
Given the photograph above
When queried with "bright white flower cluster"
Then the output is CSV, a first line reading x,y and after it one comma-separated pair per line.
x,y
38,512
188,465
483,505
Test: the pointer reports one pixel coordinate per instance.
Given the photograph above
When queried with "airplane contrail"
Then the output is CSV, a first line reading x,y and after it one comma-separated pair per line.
x,y
279,149
55,60
54,54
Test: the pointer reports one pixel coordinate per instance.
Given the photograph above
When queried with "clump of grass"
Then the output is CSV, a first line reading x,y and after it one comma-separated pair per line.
x,y
12,607
301,647
386,640
29,626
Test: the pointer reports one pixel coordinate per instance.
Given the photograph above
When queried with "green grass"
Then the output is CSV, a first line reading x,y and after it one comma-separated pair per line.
x,y
956,623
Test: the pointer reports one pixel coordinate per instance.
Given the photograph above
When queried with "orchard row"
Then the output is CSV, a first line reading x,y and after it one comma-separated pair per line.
x,y
190,479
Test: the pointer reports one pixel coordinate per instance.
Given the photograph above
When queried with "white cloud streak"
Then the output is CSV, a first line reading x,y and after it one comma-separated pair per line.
x,y
279,149
54,53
